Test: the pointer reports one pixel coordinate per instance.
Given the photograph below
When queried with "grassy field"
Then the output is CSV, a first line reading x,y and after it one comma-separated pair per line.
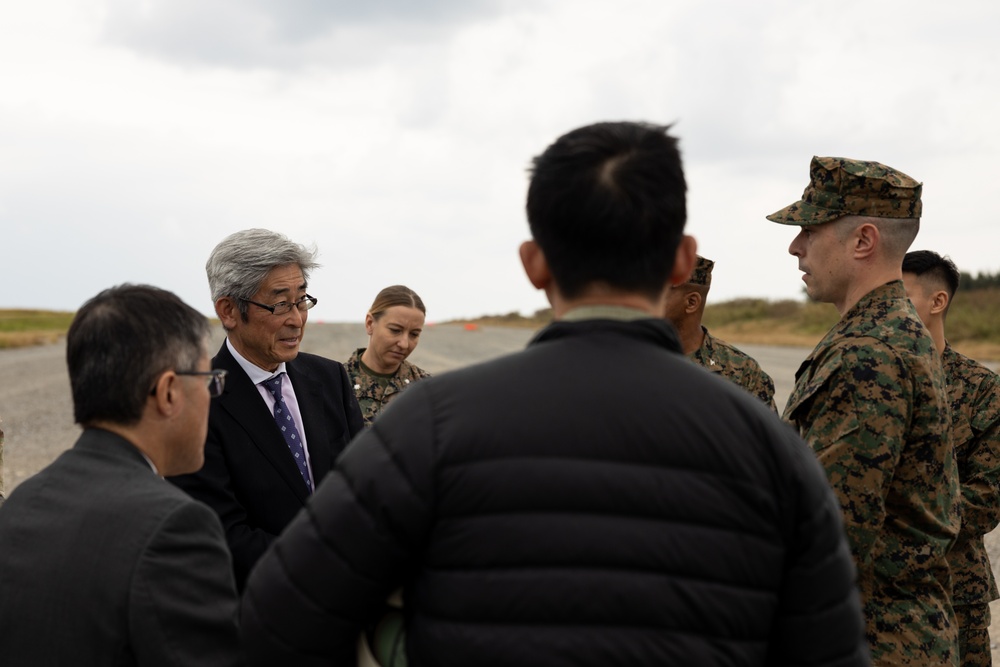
x,y
23,328
973,323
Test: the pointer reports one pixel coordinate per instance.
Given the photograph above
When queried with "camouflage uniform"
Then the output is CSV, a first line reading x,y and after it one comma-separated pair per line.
x,y
975,416
735,365
871,401
375,391
720,357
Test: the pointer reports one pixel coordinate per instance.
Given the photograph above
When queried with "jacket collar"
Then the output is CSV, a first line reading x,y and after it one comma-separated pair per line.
x,y
651,330
601,312
108,443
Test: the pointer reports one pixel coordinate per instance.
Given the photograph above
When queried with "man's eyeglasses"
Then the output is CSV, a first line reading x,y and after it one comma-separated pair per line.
x,y
284,307
216,380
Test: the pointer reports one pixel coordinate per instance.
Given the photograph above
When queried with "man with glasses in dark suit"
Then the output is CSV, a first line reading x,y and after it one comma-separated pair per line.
x,y
104,563
285,415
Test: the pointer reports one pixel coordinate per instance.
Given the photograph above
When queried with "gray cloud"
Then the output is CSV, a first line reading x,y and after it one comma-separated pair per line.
x,y
287,34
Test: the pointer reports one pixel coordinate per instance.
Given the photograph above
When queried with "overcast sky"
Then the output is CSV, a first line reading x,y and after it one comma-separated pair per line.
x,y
395,134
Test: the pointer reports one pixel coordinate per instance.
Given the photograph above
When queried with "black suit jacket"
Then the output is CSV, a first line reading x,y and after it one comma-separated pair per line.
x,y
104,563
250,478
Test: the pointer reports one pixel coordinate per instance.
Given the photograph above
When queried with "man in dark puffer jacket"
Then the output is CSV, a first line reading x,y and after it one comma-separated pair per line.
x,y
593,500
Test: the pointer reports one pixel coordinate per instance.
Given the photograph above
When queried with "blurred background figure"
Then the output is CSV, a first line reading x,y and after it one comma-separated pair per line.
x,y
380,371
931,282
685,306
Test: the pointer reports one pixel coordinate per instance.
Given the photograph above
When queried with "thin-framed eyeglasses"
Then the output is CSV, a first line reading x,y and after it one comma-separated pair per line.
x,y
284,307
216,380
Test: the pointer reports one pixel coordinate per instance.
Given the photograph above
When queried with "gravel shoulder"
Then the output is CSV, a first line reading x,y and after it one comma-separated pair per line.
x,y
37,411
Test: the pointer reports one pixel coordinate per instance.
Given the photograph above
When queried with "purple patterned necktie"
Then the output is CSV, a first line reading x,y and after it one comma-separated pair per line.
x,y
283,418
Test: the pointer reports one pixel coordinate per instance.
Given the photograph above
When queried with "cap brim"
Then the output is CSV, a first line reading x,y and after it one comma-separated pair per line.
x,y
802,214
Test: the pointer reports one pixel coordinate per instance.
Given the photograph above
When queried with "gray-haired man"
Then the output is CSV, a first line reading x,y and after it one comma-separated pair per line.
x,y
285,415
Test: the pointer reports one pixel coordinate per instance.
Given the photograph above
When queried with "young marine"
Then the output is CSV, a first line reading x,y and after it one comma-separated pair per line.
x,y
931,282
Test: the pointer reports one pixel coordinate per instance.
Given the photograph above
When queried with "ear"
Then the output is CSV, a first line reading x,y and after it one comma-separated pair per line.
x,y
536,267
939,302
228,312
865,240
369,323
166,394
692,301
684,260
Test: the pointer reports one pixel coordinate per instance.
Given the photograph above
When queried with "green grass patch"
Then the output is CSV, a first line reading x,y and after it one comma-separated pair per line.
x,y
35,320
807,319
974,318
23,328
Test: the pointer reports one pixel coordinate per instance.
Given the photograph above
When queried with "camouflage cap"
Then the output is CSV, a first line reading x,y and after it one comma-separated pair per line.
x,y
702,274
839,186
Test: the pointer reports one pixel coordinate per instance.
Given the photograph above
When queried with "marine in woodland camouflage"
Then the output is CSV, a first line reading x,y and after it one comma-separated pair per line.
x,y
735,365
372,394
1,462
975,416
871,400
841,186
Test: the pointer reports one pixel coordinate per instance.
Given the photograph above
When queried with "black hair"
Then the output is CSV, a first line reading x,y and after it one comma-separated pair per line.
x,y
606,204
928,263
120,341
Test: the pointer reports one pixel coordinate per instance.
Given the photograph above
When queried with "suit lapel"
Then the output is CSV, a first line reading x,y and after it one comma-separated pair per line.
x,y
242,400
